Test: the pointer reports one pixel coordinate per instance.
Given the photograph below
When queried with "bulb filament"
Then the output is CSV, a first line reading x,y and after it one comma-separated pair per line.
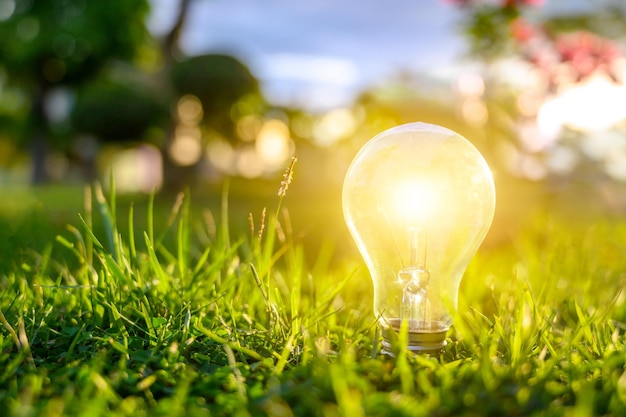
x,y
418,245
415,307
414,279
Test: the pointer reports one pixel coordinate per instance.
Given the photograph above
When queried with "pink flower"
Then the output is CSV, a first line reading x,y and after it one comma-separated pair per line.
x,y
523,2
521,30
586,52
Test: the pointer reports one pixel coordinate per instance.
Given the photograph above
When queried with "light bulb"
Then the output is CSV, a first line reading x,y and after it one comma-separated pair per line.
x,y
418,200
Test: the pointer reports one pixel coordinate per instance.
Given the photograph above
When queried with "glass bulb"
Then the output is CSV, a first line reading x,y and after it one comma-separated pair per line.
x,y
418,200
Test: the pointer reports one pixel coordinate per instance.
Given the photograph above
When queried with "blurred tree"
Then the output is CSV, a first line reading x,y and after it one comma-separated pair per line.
x,y
112,111
219,82
487,24
54,43
562,112
497,29
97,111
224,90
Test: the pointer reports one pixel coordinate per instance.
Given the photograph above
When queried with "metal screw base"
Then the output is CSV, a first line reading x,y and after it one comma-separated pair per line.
x,y
418,342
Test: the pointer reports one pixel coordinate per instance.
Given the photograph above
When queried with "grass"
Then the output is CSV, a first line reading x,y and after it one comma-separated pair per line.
x,y
128,313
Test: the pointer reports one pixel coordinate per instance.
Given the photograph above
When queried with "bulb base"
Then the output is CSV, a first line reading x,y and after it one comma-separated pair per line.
x,y
418,342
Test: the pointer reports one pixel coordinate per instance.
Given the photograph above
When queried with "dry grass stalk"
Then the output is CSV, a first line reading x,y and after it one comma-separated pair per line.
x,y
287,178
262,225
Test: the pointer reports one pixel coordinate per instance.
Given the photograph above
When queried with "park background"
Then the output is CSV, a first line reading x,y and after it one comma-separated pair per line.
x,y
191,93
190,115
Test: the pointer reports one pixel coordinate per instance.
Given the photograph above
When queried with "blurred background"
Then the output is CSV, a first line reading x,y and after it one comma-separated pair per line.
x,y
170,95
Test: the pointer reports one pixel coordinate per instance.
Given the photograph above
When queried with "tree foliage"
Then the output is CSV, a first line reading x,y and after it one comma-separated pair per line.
x,y
46,44
114,111
67,41
219,81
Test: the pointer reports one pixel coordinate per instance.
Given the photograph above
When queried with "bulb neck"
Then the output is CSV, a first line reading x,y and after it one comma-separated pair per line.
x,y
425,341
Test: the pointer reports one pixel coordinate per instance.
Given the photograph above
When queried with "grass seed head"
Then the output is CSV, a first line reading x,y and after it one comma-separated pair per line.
x,y
287,178
262,225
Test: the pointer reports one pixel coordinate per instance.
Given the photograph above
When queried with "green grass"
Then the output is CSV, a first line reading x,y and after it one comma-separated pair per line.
x,y
135,312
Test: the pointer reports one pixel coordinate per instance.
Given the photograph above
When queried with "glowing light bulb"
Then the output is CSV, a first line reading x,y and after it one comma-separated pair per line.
x,y
418,200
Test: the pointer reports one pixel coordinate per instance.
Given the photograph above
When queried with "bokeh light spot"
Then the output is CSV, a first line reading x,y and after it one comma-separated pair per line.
x,y
302,125
249,165
7,7
138,169
334,126
474,111
550,119
58,104
221,155
189,110
599,145
536,137
528,103
595,104
186,149
615,165
562,159
273,143
27,29
470,84
248,127
531,167
56,166
64,45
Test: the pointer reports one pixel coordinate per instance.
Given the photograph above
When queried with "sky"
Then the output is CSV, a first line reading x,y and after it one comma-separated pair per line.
x,y
318,54
321,53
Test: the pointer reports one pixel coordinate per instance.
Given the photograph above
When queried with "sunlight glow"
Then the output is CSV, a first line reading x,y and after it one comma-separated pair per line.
x,y
595,104
414,200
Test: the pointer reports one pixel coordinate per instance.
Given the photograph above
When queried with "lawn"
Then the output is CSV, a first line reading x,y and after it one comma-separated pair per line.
x,y
183,306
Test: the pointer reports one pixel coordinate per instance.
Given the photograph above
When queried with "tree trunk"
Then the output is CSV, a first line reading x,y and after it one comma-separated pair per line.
x,y
175,178
38,137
